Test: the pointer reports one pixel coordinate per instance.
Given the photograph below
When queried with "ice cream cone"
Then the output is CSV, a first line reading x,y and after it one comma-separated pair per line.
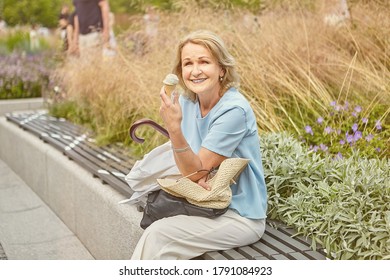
x,y
169,89
170,82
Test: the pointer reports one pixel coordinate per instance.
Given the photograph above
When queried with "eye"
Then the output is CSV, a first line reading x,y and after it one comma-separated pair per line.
x,y
186,63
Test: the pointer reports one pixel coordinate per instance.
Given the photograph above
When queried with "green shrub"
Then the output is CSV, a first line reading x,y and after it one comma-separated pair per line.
x,y
18,40
342,204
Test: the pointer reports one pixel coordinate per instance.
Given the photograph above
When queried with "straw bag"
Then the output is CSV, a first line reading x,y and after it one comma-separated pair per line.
x,y
185,197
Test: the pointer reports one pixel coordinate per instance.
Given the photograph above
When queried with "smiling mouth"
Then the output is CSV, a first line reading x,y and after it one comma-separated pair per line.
x,y
198,81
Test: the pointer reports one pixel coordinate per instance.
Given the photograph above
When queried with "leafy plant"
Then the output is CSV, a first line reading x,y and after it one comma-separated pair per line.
x,y
343,205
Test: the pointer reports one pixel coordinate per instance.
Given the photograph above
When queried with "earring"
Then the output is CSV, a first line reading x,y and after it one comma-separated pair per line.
x,y
221,78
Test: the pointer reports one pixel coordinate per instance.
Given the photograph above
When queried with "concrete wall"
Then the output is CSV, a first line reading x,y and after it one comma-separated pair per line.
x,y
10,105
89,208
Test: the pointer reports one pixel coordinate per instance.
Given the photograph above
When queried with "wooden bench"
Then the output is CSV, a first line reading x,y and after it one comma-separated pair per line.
x,y
111,164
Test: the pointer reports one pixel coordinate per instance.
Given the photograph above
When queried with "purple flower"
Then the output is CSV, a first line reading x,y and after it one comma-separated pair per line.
x,y
346,105
315,148
320,120
328,130
333,103
354,127
378,125
339,156
357,136
338,131
323,147
364,120
369,137
378,149
309,130
354,114
342,142
338,108
349,138
358,109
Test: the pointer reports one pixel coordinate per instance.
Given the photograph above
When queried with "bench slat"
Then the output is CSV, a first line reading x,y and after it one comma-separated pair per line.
x,y
213,256
279,257
232,254
249,252
261,258
298,256
275,244
264,249
287,240
314,255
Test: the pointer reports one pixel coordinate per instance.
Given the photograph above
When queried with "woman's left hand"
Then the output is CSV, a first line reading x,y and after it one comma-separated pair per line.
x,y
204,184
170,111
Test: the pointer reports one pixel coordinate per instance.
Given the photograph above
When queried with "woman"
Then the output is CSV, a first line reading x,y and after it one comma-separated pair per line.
x,y
212,121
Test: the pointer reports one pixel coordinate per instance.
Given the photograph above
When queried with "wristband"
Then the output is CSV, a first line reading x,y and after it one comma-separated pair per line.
x,y
181,150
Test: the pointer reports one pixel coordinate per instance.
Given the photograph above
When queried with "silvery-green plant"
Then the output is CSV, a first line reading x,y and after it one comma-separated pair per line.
x,y
342,205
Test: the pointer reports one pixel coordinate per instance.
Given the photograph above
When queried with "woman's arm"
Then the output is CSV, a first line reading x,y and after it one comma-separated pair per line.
x,y
187,161
76,33
105,10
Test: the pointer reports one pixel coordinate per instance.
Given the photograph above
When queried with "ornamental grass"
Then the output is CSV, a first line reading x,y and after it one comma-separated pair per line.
x,y
292,66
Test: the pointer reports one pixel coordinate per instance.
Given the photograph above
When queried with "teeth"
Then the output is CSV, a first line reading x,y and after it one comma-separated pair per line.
x,y
198,81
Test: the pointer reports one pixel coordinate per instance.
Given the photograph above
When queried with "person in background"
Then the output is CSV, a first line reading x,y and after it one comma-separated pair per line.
x,y
67,26
64,10
63,23
210,122
3,25
71,37
91,24
34,38
151,19
109,50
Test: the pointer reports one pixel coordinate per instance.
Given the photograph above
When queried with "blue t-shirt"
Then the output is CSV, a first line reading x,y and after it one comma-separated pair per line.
x,y
230,129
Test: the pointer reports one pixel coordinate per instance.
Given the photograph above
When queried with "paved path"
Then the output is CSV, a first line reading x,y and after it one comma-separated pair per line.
x,y
2,253
29,230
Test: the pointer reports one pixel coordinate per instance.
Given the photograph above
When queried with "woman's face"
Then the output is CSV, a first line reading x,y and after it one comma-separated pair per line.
x,y
200,70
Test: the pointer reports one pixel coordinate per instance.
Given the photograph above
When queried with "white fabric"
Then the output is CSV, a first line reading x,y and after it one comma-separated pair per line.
x,y
89,40
142,178
185,237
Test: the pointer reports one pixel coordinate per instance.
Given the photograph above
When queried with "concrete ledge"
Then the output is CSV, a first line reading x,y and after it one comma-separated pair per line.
x,y
10,105
88,208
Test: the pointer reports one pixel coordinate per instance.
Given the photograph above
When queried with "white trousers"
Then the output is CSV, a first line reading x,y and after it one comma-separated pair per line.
x,y
90,43
185,237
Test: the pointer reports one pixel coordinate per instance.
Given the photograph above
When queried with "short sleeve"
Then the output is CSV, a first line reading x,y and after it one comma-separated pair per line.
x,y
226,132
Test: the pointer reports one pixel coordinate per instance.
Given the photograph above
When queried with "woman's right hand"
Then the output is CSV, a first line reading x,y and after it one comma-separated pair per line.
x,y
170,111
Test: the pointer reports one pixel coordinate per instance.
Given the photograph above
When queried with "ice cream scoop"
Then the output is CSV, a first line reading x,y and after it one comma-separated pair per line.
x,y
170,82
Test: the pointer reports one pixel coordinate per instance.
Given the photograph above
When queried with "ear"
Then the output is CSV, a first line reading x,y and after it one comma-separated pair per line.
x,y
222,72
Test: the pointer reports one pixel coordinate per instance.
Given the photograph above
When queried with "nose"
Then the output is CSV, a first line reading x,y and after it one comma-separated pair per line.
x,y
196,71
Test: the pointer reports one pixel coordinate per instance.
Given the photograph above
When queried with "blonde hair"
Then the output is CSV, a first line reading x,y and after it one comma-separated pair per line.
x,y
218,50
